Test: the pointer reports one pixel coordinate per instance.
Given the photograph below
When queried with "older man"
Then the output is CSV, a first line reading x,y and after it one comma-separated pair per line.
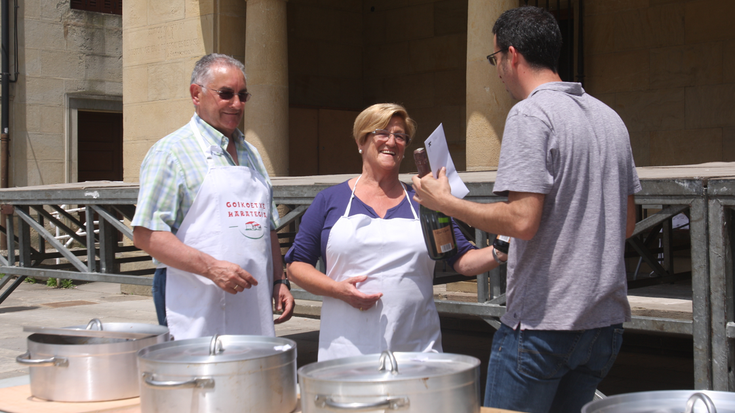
x,y
206,214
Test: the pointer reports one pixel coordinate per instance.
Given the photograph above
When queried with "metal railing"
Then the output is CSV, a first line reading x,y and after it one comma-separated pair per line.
x,y
97,254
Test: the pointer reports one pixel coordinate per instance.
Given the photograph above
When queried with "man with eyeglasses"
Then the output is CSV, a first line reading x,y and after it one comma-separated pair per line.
x,y
206,215
567,169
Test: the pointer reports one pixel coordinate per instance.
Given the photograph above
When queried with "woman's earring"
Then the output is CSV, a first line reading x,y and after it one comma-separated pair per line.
x,y
359,150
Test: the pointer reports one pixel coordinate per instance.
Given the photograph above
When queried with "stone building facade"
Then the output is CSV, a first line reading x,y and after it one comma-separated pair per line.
x,y
69,63
666,66
668,69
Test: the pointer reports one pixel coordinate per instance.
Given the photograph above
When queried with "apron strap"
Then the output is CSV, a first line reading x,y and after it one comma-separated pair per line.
x,y
207,150
349,204
405,193
413,211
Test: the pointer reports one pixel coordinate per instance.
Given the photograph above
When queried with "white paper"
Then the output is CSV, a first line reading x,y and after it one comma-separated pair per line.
x,y
439,156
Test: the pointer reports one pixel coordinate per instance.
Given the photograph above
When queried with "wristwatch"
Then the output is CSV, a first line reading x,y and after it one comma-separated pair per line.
x,y
283,281
495,257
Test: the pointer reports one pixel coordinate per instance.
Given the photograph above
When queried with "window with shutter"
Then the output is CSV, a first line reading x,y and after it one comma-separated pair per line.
x,y
100,6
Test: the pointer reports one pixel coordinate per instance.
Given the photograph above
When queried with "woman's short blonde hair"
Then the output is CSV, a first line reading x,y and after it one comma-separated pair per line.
x,y
378,116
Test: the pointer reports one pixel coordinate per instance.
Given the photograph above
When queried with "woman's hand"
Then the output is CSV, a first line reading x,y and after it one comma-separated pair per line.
x,y
348,292
315,282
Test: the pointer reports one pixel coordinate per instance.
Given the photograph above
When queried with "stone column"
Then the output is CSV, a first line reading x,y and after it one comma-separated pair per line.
x,y
266,67
487,101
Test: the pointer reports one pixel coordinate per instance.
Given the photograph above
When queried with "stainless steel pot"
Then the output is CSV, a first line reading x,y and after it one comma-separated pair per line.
x,y
405,382
84,369
669,401
219,374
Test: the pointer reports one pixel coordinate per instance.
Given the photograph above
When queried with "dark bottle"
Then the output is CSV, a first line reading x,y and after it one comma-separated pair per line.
x,y
437,227
502,243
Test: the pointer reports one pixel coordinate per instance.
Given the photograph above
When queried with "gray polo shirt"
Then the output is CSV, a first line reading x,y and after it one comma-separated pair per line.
x,y
565,144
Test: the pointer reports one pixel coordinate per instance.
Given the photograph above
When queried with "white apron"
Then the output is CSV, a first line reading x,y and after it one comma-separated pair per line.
x,y
229,220
392,253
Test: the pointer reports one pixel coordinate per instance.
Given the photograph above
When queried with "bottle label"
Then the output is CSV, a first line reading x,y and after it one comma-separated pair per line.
x,y
443,239
504,238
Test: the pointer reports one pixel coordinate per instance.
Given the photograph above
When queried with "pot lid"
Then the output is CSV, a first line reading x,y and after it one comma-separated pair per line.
x,y
217,349
79,332
389,366
664,401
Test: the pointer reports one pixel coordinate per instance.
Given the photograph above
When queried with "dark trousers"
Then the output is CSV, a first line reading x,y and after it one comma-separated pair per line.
x,y
159,295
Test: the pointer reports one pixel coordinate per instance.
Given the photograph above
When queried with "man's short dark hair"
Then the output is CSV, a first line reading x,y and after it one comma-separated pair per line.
x,y
533,32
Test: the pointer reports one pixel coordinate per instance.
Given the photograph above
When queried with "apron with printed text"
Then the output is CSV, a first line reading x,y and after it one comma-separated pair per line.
x,y
229,220
392,253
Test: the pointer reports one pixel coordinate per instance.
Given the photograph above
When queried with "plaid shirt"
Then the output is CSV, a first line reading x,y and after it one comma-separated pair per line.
x,y
174,169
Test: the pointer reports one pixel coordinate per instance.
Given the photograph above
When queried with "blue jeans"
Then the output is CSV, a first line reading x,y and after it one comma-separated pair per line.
x,y
539,371
159,295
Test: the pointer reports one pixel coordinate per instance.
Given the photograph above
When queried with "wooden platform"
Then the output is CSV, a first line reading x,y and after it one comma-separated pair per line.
x,y
18,399
706,192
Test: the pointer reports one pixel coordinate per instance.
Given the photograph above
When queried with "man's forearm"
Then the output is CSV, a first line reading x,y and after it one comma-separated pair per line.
x,y
166,248
519,217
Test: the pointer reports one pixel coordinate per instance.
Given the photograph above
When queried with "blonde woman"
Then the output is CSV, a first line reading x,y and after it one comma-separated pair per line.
x,y
377,288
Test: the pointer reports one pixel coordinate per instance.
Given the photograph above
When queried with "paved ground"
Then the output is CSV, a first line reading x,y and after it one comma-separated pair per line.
x,y
645,363
42,306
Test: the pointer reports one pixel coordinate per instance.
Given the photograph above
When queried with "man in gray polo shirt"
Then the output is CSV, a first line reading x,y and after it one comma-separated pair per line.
x,y
567,169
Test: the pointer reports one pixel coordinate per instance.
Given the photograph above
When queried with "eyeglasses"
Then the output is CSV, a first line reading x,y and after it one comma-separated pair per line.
x,y
491,57
383,134
229,94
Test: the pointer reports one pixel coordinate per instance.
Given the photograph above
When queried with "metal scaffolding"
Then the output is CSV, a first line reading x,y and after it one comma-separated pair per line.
x,y
705,193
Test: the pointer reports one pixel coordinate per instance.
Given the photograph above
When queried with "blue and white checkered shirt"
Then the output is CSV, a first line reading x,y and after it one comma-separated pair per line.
x,y
174,169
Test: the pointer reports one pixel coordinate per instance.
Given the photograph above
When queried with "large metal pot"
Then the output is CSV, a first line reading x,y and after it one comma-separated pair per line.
x,y
668,401
75,368
405,382
219,374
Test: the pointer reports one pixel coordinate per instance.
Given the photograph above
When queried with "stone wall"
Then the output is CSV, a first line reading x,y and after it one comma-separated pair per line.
x,y
162,41
347,55
64,55
666,66
325,54
668,69
415,54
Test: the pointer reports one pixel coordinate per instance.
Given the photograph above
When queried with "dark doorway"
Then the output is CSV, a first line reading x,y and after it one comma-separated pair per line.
x,y
100,143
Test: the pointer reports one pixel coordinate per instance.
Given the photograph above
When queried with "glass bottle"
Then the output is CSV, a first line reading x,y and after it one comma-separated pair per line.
x,y
436,227
502,243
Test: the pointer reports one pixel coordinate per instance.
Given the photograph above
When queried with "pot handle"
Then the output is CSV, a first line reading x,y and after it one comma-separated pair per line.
x,y
391,403
215,345
201,382
704,398
383,366
53,361
95,322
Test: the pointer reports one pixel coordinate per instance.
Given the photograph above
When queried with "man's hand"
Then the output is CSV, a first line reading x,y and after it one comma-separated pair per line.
x,y
165,247
282,301
229,277
430,192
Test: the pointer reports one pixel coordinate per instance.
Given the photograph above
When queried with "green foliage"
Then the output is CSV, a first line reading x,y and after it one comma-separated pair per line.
x,y
67,284
31,280
51,282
